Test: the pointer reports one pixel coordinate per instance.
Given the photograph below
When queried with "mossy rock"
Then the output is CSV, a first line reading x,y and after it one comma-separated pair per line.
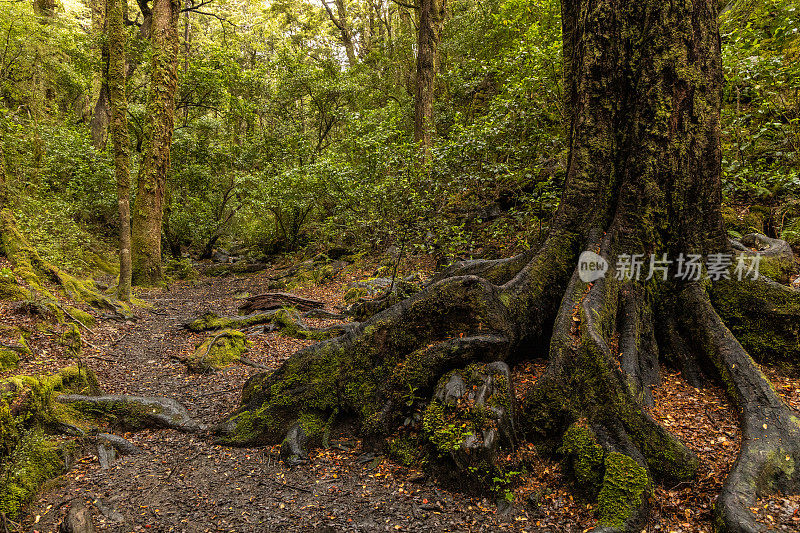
x,y
470,419
9,359
739,223
30,398
218,351
10,289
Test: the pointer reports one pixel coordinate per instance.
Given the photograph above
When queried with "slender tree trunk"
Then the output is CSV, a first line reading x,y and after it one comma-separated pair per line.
x,y
117,68
101,116
431,19
3,178
148,208
340,21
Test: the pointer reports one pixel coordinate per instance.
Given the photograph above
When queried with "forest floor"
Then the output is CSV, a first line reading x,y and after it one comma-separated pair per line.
x,y
186,483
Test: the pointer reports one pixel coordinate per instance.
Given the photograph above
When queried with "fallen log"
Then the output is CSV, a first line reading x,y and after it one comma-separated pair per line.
x,y
287,321
276,300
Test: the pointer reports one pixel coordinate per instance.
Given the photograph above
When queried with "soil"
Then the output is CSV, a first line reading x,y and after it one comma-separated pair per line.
x,y
186,483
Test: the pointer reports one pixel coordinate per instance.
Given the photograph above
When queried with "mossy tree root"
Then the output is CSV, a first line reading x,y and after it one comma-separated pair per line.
x,y
370,371
770,449
763,315
135,412
497,271
286,320
589,405
612,446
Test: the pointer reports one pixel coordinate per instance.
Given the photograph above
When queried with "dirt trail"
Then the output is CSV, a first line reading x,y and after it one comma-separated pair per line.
x,y
185,483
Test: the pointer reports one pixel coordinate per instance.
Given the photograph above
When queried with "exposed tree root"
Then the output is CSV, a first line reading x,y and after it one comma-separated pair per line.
x,y
286,321
589,405
135,411
763,315
452,323
770,449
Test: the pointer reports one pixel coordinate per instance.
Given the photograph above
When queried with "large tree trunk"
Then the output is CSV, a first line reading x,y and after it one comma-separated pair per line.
x,y
117,69
642,84
148,207
431,19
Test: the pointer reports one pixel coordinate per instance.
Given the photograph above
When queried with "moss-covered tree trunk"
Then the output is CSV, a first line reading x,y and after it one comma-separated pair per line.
x,y
431,19
642,84
101,115
148,208
117,68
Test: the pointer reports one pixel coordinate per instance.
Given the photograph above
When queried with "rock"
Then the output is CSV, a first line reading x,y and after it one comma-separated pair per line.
x,y
293,448
78,520
218,351
220,256
106,454
471,417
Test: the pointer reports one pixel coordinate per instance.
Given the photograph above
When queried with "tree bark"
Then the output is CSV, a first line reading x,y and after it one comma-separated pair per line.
x,y
431,20
642,84
117,68
148,208
101,116
340,21
45,8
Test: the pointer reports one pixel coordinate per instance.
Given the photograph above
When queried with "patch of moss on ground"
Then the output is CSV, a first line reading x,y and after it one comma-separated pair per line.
x,y
219,351
34,460
9,359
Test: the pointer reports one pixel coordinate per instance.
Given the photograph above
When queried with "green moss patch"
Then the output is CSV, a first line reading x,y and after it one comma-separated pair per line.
x,y
218,351
8,359
27,411
584,457
625,486
34,461
9,288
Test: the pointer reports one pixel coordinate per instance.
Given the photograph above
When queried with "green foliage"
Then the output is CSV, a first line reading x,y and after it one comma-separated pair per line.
x,y
761,115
